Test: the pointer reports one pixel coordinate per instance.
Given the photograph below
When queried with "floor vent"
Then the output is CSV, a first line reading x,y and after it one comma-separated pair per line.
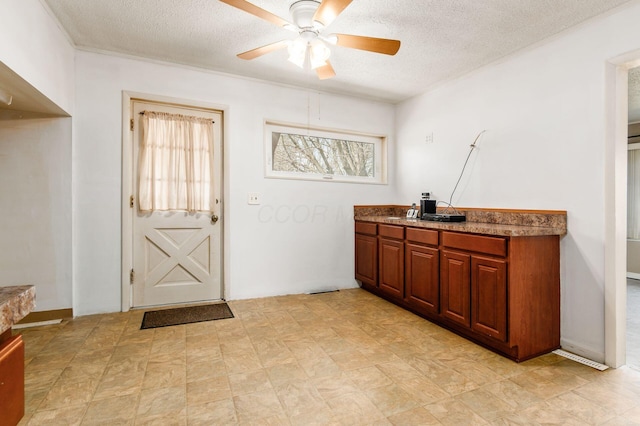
x,y
36,324
581,360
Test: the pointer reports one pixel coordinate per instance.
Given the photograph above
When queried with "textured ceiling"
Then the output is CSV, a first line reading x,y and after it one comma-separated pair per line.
x,y
441,39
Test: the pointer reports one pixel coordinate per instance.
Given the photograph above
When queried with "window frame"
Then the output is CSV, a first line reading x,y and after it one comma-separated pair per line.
x,y
380,152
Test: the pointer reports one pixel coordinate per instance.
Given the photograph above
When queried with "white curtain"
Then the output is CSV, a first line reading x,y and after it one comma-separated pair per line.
x,y
633,195
175,163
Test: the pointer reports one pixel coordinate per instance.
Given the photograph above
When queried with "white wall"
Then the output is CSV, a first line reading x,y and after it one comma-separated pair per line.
x,y
35,207
34,48
309,242
544,111
35,159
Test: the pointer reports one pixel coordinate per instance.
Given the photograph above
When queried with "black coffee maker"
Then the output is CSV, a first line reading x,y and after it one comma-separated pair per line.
x,y
426,204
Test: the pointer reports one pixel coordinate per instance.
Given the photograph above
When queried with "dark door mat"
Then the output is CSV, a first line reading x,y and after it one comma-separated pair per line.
x,y
187,315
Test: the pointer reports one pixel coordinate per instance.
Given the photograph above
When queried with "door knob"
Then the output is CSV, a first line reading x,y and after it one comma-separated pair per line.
x,y
214,218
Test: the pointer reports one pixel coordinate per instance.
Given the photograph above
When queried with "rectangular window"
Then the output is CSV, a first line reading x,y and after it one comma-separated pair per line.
x,y
298,152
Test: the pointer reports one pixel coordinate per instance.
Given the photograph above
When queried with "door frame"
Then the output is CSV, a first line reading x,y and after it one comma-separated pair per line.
x,y
615,206
128,189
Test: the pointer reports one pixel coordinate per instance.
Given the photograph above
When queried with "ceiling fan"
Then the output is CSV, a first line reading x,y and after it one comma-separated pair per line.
x,y
310,18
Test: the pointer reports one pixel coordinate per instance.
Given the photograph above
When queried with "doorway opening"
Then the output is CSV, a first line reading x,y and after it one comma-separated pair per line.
x,y
615,204
633,223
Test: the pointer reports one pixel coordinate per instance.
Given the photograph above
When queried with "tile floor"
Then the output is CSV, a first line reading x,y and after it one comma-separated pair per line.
x,y
342,358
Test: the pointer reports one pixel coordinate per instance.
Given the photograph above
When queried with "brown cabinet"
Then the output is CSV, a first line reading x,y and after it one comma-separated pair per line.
x,y
366,259
489,297
366,252
391,260
456,287
474,285
11,378
422,270
474,293
500,292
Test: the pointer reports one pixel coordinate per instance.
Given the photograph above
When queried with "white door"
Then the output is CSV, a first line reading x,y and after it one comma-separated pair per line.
x,y
176,255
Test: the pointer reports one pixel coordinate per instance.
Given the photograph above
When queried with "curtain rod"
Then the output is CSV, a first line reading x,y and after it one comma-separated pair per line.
x,y
142,113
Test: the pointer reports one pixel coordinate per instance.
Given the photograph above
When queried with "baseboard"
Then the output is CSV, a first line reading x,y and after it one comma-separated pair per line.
x,y
47,316
575,348
633,275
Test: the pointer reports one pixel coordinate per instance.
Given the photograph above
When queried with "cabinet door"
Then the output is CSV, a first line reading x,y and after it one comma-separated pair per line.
x,y
367,259
391,267
489,297
423,278
11,380
455,287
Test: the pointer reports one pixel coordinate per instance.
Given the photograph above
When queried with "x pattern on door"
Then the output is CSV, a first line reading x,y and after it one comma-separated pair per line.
x,y
176,256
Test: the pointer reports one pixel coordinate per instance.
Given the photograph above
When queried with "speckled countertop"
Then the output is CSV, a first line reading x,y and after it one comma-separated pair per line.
x,y
501,222
15,303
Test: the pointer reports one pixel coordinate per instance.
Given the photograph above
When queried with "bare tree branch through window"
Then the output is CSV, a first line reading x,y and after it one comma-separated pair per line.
x,y
301,152
322,155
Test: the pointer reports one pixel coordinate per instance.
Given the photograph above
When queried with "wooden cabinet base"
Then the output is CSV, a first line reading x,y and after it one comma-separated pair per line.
x,y
493,345
11,379
502,292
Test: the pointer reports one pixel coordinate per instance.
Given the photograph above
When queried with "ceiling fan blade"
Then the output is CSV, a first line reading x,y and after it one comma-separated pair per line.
x,y
259,51
326,71
329,10
372,44
257,11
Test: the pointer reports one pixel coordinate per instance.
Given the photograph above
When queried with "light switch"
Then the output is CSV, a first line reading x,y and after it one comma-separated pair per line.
x,y
429,138
254,198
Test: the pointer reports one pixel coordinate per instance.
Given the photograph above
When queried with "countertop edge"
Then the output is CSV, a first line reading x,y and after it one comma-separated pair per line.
x,y
16,302
470,227
468,209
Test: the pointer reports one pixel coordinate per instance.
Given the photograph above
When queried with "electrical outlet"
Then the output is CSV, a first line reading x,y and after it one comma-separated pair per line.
x,y
429,138
254,198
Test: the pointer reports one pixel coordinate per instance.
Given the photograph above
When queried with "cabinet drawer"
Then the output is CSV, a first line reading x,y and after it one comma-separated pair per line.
x,y
366,228
391,231
423,236
478,243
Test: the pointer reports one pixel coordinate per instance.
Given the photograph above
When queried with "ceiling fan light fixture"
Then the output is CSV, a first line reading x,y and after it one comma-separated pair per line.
x,y
317,63
318,53
311,49
298,51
